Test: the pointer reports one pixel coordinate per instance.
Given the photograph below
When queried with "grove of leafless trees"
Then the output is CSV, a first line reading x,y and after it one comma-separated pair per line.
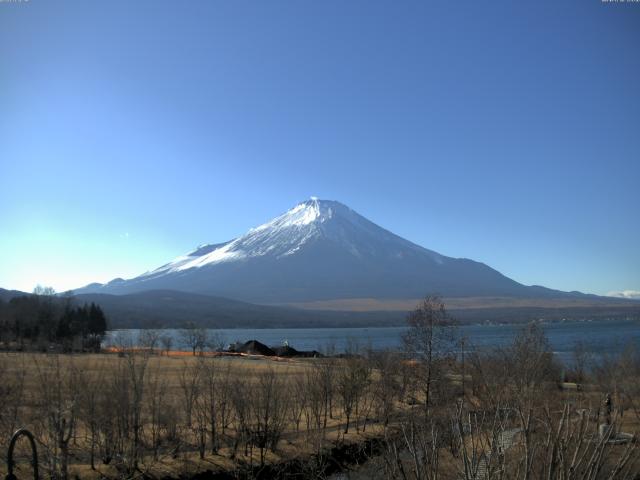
x,y
509,412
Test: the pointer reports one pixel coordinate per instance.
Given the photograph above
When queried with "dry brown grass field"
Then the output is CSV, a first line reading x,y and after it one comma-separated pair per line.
x,y
38,372
143,413
78,375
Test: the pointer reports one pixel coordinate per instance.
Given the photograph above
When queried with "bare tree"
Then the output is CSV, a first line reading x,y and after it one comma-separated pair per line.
x,y
618,373
414,452
386,388
149,339
12,394
58,392
201,411
326,378
268,406
581,357
89,402
136,368
156,407
214,342
167,342
190,386
630,364
115,409
353,377
240,394
194,337
532,365
298,400
215,382
431,341
43,291
315,403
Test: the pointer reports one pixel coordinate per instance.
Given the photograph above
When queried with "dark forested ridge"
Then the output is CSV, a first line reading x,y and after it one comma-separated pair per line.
x,y
173,309
43,320
167,308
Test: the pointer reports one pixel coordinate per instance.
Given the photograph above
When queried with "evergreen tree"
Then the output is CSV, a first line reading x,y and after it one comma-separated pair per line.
x,y
63,330
43,316
97,320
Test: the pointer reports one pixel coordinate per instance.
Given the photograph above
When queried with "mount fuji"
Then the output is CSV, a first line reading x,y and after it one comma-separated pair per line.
x,y
320,251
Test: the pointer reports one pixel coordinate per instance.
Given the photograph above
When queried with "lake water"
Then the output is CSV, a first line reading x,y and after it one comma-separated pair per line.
x,y
600,337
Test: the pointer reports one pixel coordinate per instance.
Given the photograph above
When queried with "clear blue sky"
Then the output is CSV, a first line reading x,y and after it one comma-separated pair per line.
x,y
503,131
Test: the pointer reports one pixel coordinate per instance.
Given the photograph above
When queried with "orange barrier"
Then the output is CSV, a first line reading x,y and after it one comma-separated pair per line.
x,y
188,353
170,353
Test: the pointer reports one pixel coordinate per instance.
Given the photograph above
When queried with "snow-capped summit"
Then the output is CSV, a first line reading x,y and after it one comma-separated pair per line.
x,y
307,222
318,250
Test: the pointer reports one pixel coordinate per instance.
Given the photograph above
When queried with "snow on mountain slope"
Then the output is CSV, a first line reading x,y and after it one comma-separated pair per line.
x,y
317,250
289,232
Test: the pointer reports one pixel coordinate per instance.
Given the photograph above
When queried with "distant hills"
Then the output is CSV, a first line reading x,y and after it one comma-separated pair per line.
x,y
167,308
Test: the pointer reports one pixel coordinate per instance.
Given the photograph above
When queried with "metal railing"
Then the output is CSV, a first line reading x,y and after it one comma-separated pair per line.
x,y
34,453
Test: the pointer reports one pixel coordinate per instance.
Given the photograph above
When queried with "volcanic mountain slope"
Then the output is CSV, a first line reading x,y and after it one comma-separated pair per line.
x,y
322,250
